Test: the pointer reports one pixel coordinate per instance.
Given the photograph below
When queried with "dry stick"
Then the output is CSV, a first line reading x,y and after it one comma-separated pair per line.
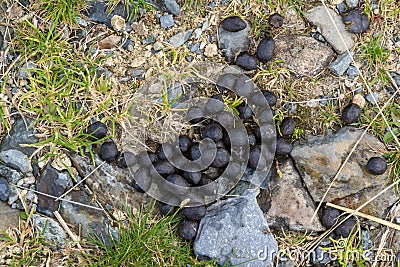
x,y
366,216
87,176
362,76
54,197
365,131
74,237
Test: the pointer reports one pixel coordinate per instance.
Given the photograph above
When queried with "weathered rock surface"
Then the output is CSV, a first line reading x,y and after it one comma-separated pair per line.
x,y
50,229
19,135
319,159
235,231
233,43
110,183
9,217
287,204
16,159
54,183
320,17
302,55
4,189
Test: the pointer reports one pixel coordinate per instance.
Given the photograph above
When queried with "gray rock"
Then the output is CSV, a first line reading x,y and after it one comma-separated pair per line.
x,y
197,33
352,72
20,135
81,22
341,7
172,7
150,39
341,64
233,43
90,220
289,189
372,98
319,158
302,55
167,21
54,183
50,229
235,231
9,217
12,176
319,17
25,70
16,159
4,189
97,11
352,3
180,38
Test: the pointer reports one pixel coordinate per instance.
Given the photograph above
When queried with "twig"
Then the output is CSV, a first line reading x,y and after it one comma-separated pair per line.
x,y
64,225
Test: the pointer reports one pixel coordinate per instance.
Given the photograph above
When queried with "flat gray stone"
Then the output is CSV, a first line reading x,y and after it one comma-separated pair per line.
x,y
4,189
302,55
167,21
172,7
289,204
233,43
180,38
20,134
9,217
235,231
16,159
12,176
319,16
50,229
319,158
341,64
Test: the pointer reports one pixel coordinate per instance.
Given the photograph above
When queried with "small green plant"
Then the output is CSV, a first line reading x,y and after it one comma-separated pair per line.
x,y
374,51
328,116
60,11
145,240
132,7
232,103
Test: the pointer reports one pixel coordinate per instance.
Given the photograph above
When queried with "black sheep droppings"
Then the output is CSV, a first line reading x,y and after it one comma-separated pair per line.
x,y
109,151
97,130
377,165
184,143
166,209
188,229
127,159
351,113
329,217
345,228
287,126
356,21
246,62
164,167
270,97
192,177
275,20
176,179
265,49
233,24
194,213
212,131
221,158
245,112
283,147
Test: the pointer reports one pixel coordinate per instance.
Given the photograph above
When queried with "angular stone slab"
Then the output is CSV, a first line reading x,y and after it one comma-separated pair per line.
x,y
235,230
302,55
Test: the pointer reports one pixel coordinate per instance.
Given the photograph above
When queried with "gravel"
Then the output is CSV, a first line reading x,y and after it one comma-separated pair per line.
x,y
180,38
341,63
167,21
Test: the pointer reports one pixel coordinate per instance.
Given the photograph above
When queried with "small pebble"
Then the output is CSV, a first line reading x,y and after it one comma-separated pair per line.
x,y
352,72
372,98
356,21
157,46
167,21
341,7
359,100
341,63
287,126
352,3
283,147
246,62
4,189
377,165
194,213
275,20
118,23
351,113
265,49
109,151
233,24
188,229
